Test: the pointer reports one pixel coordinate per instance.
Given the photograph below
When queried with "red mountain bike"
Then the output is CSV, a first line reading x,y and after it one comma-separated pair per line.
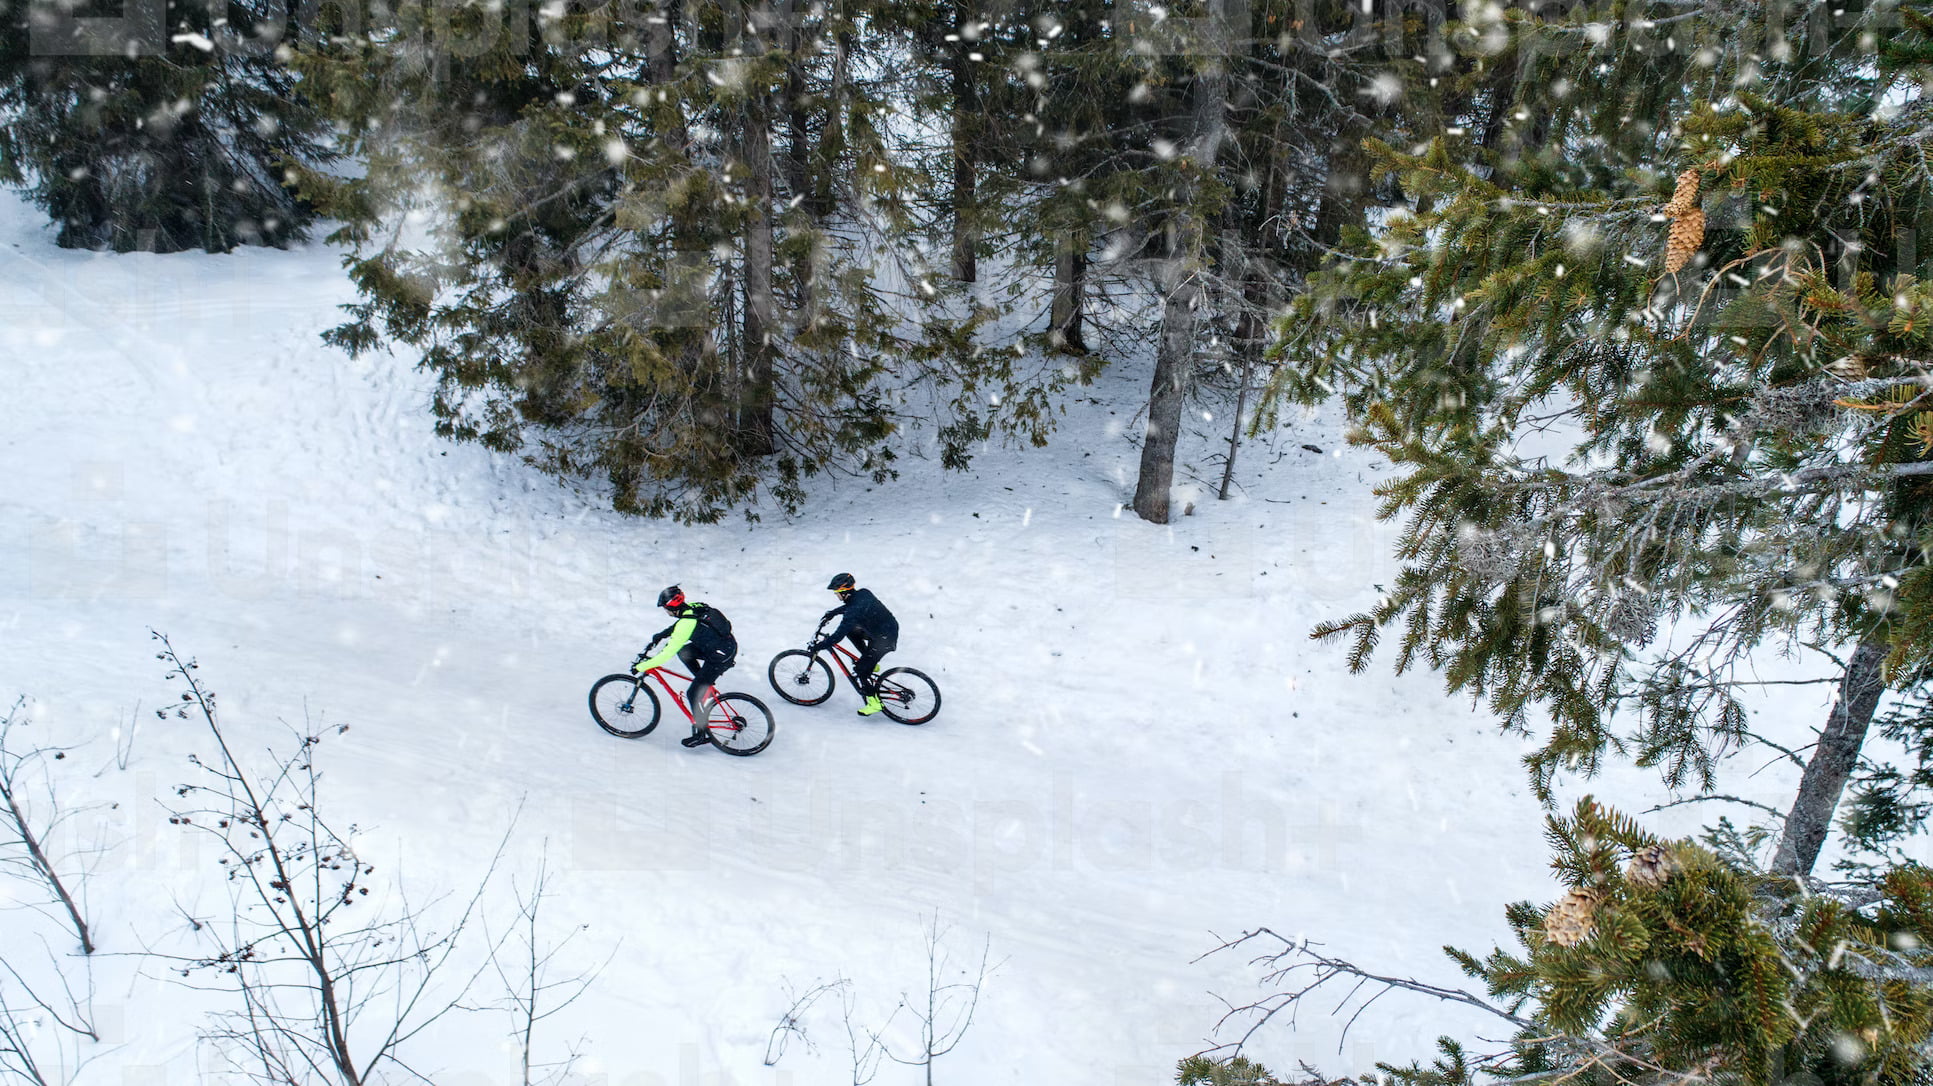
x,y
804,678
625,706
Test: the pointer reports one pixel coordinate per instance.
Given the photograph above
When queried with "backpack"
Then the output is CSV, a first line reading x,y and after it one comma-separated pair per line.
x,y
712,619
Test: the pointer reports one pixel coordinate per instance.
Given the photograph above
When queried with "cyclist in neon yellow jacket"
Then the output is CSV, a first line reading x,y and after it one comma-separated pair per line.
x,y
702,640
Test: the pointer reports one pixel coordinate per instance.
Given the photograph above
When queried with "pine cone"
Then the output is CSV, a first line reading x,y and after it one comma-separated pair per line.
x,y
1650,867
1851,367
1571,920
1684,198
1687,234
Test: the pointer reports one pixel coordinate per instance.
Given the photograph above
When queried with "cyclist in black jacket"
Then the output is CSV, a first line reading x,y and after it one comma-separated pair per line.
x,y
872,629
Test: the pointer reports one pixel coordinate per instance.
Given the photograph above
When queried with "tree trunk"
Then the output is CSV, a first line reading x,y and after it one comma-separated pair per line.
x,y
686,316
661,53
799,182
1183,289
1069,312
1502,84
798,140
1833,760
1174,357
966,114
755,431
831,147
1250,330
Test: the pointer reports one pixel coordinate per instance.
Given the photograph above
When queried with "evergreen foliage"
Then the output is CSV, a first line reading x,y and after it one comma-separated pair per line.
x,y
1668,961
1172,172
675,249
1887,802
1742,442
179,134
1696,966
1240,1071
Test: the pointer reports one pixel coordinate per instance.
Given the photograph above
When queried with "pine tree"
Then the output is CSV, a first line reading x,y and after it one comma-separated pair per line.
x,y
1694,255
1679,961
1670,955
684,262
1192,154
176,129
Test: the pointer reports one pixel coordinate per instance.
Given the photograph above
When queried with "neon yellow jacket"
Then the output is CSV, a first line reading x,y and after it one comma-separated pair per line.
x,y
678,637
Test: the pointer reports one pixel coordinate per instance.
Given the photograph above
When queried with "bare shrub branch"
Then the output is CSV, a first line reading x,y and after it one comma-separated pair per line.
x,y
1299,971
328,984
944,1012
23,849
530,993
792,1022
41,1037
945,1009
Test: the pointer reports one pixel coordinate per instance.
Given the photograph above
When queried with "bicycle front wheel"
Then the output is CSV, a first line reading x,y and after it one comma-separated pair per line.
x,y
800,677
624,706
740,724
908,696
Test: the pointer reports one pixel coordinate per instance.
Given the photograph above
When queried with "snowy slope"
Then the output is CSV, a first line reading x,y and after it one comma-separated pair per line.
x,y
1139,748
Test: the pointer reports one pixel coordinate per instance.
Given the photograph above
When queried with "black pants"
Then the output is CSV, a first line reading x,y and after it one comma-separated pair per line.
x,y
705,671
871,651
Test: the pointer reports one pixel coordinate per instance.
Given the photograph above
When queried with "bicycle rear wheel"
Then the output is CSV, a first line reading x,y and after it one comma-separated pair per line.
x,y
624,706
740,724
908,696
800,677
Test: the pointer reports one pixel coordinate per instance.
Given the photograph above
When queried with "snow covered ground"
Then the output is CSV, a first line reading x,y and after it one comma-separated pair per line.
x,y
1140,750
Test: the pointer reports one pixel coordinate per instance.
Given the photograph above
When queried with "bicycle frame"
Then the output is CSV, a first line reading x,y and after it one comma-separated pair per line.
x,y
677,699
842,654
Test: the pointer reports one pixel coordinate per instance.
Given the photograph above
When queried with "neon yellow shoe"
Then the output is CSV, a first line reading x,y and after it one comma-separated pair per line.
x,y
872,706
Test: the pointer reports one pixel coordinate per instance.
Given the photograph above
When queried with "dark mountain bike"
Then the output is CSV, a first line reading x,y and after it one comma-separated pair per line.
x,y
803,677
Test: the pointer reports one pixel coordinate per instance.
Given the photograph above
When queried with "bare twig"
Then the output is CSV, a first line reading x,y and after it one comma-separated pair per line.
x,y
792,1023
40,1036
1713,797
531,995
1307,971
323,991
20,830
866,1055
945,1010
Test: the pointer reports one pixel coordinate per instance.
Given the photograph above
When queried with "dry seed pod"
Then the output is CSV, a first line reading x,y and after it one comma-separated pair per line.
x,y
1571,920
1849,367
1650,867
1684,198
1687,234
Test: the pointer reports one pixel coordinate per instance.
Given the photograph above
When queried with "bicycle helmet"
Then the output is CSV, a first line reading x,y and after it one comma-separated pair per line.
x,y
671,598
841,583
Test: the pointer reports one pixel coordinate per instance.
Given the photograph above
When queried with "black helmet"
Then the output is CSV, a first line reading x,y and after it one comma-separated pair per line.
x,y
840,583
671,598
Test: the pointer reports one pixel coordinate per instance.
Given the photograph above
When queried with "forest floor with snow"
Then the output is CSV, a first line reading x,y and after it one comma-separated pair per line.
x,y
1140,753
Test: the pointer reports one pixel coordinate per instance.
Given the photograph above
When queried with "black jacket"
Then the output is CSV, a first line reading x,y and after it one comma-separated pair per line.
x,y
865,619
